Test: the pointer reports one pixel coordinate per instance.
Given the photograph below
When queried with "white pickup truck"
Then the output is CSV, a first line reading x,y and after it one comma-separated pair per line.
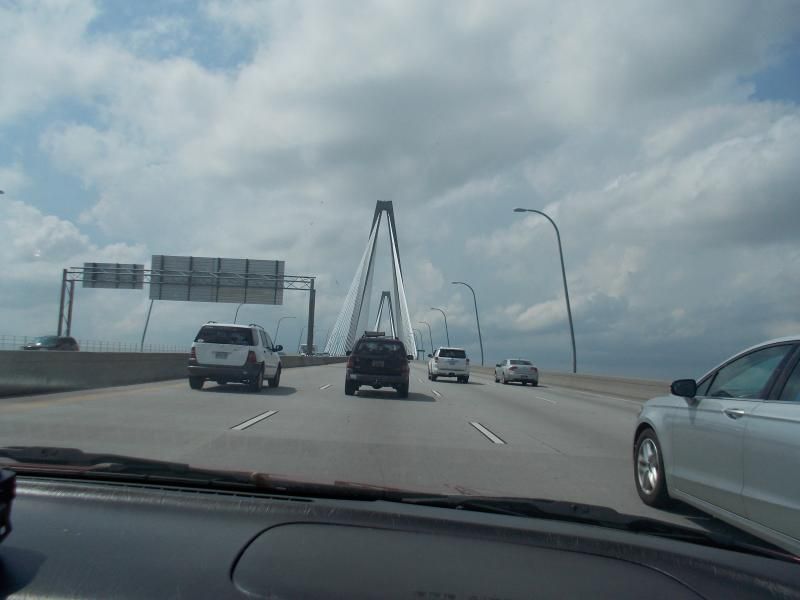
x,y
449,362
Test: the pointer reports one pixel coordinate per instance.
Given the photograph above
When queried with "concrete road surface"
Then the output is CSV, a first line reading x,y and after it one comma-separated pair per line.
x,y
478,438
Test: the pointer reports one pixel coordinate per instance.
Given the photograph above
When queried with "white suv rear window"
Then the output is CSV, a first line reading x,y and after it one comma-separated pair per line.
x,y
450,353
236,336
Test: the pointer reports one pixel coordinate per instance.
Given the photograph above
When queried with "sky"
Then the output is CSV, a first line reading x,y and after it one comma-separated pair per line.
x,y
662,137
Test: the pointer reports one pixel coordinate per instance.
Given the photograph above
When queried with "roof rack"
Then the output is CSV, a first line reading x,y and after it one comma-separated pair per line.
x,y
374,334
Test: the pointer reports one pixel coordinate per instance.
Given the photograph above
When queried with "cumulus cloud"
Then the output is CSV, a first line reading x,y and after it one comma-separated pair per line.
x,y
637,130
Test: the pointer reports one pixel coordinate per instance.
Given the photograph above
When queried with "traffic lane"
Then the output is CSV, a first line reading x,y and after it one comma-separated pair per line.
x,y
315,432
158,420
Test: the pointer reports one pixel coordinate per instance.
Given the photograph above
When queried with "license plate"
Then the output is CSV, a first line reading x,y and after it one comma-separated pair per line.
x,y
377,363
220,355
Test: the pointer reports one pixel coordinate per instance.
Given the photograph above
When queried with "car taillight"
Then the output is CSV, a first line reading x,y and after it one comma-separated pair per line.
x,y
512,368
351,362
251,357
435,359
193,355
404,368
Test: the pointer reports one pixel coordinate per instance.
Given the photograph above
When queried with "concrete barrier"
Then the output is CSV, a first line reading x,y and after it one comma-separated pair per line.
x,y
26,372
624,387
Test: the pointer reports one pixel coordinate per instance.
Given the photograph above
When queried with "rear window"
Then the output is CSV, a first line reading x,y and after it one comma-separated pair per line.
x,y
452,353
236,336
520,362
380,347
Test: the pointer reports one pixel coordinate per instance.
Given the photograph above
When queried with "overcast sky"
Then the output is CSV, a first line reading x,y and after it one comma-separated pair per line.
x,y
663,137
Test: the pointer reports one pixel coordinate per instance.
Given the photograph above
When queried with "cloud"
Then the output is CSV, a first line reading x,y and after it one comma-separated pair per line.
x,y
637,131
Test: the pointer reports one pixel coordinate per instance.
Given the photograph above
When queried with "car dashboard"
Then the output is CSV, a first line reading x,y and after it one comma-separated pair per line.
x,y
73,538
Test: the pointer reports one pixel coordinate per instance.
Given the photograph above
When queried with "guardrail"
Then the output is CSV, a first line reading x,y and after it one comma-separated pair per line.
x,y
23,372
623,387
16,342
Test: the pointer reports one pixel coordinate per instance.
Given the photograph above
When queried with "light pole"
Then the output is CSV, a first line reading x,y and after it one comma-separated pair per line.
x,y
477,319
415,330
446,330
277,329
236,315
430,335
563,277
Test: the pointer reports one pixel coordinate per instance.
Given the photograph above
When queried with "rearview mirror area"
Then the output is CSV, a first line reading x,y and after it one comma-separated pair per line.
x,y
430,355
685,388
410,356
348,353
277,348
498,365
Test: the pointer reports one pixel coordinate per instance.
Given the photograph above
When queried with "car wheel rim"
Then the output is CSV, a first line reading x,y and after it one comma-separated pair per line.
x,y
647,472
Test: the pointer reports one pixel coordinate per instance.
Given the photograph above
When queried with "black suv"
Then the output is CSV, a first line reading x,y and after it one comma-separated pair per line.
x,y
378,361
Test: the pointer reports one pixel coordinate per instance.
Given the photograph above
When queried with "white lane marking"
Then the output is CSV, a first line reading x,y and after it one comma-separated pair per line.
x,y
545,399
254,420
492,437
437,394
326,386
420,380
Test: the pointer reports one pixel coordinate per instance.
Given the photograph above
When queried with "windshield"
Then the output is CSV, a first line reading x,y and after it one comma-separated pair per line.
x,y
450,353
211,334
241,208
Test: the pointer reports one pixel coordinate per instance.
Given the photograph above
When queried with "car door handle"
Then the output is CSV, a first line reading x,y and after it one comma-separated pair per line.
x,y
733,413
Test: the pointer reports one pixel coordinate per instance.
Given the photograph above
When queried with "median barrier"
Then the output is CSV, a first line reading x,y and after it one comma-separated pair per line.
x,y
36,372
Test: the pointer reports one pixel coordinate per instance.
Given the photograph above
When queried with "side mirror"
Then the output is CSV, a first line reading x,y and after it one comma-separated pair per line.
x,y
686,388
499,365
430,355
348,353
277,348
410,356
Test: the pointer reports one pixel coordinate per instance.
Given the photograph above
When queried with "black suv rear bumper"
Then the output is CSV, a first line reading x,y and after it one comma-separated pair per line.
x,y
374,379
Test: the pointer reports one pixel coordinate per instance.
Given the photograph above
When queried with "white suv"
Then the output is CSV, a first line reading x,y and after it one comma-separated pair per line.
x,y
225,352
449,362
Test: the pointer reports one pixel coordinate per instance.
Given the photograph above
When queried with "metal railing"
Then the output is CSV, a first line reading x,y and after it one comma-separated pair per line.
x,y
16,342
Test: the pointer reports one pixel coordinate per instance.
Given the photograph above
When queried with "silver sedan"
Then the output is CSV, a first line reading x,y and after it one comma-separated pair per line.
x,y
729,444
516,369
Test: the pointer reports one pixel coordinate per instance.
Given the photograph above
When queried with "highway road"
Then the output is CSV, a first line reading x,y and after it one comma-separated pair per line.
x,y
478,438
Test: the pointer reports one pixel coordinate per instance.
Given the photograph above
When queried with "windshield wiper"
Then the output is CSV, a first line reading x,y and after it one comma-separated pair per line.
x,y
72,462
602,516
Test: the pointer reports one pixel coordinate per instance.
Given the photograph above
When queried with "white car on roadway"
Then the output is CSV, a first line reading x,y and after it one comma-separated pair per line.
x,y
225,352
729,444
516,369
449,362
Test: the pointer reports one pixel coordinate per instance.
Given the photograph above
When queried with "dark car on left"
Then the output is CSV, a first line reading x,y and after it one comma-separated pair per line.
x,y
53,342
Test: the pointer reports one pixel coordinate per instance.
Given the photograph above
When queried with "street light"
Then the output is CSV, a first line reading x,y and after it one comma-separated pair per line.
x,y
563,277
236,315
477,319
415,330
430,335
447,331
277,329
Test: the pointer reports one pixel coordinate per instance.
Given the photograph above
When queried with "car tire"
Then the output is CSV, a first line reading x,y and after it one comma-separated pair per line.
x,y
648,470
402,391
535,383
349,389
275,381
505,381
196,383
434,377
465,380
257,385
496,379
